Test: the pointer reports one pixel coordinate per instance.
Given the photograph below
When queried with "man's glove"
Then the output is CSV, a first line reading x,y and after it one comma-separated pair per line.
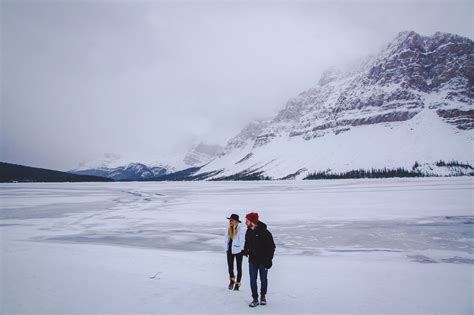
x,y
268,264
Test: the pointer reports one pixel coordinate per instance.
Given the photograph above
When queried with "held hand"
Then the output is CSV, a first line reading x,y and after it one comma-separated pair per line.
x,y
268,265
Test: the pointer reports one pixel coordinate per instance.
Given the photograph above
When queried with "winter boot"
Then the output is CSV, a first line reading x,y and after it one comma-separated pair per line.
x,y
253,303
237,286
231,283
263,300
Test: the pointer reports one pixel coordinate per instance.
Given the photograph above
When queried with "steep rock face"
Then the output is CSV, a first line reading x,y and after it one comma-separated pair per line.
x,y
394,86
460,118
411,75
247,136
426,63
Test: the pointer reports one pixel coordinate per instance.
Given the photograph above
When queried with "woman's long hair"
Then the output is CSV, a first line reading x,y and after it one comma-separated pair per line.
x,y
232,232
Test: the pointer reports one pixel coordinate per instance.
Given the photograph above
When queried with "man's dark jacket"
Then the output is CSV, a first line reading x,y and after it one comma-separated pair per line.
x,y
259,245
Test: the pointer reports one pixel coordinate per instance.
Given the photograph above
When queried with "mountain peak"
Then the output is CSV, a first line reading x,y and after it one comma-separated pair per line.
x,y
407,35
413,40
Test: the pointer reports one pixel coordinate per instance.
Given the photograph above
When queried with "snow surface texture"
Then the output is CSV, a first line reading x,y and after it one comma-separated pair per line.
x,y
345,246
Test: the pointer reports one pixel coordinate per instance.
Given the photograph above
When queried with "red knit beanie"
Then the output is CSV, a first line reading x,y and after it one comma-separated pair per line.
x,y
252,217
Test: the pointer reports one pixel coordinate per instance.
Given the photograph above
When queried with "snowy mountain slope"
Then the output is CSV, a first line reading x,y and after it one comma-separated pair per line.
x,y
425,139
411,102
201,154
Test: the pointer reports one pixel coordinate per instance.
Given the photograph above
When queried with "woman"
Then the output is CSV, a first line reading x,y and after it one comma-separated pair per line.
x,y
234,245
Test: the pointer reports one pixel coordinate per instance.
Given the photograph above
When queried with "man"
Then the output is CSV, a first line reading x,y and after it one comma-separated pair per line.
x,y
259,247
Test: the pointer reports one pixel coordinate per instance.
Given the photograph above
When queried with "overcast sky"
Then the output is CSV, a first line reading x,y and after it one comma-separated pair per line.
x,y
144,79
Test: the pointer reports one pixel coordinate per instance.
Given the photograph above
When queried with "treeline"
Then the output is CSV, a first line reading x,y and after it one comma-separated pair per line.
x,y
455,170
11,173
453,163
361,173
244,176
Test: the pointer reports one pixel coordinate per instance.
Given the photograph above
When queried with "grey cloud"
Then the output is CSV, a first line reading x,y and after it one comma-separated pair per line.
x,y
81,78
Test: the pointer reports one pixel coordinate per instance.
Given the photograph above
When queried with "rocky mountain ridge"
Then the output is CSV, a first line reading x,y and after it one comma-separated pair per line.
x,y
411,75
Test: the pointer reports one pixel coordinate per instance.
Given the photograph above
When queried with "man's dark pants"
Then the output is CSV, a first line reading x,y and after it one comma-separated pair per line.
x,y
253,270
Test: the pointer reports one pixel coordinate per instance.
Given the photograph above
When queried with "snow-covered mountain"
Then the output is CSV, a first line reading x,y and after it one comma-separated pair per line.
x,y
132,171
410,106
120,168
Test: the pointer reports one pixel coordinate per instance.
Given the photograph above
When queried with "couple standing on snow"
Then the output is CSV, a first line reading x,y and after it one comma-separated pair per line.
x,y
257,244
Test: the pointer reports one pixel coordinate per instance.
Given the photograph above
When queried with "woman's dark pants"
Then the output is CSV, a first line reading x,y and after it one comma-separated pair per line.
x,y
230,264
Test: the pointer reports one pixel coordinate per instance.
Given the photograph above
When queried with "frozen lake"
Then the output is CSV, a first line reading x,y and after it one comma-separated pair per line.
x,y
350,246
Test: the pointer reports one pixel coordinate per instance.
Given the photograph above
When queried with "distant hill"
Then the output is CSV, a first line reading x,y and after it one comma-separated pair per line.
x,y
122,169
18,173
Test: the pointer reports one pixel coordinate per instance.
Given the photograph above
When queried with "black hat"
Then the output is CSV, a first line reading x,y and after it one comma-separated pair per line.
x,y
235,217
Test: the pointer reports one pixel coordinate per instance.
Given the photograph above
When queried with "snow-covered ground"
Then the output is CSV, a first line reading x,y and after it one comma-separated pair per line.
x,y
344,246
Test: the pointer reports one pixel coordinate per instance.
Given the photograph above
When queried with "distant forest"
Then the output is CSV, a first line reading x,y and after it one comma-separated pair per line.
x,y
456,168
373,173
10,173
